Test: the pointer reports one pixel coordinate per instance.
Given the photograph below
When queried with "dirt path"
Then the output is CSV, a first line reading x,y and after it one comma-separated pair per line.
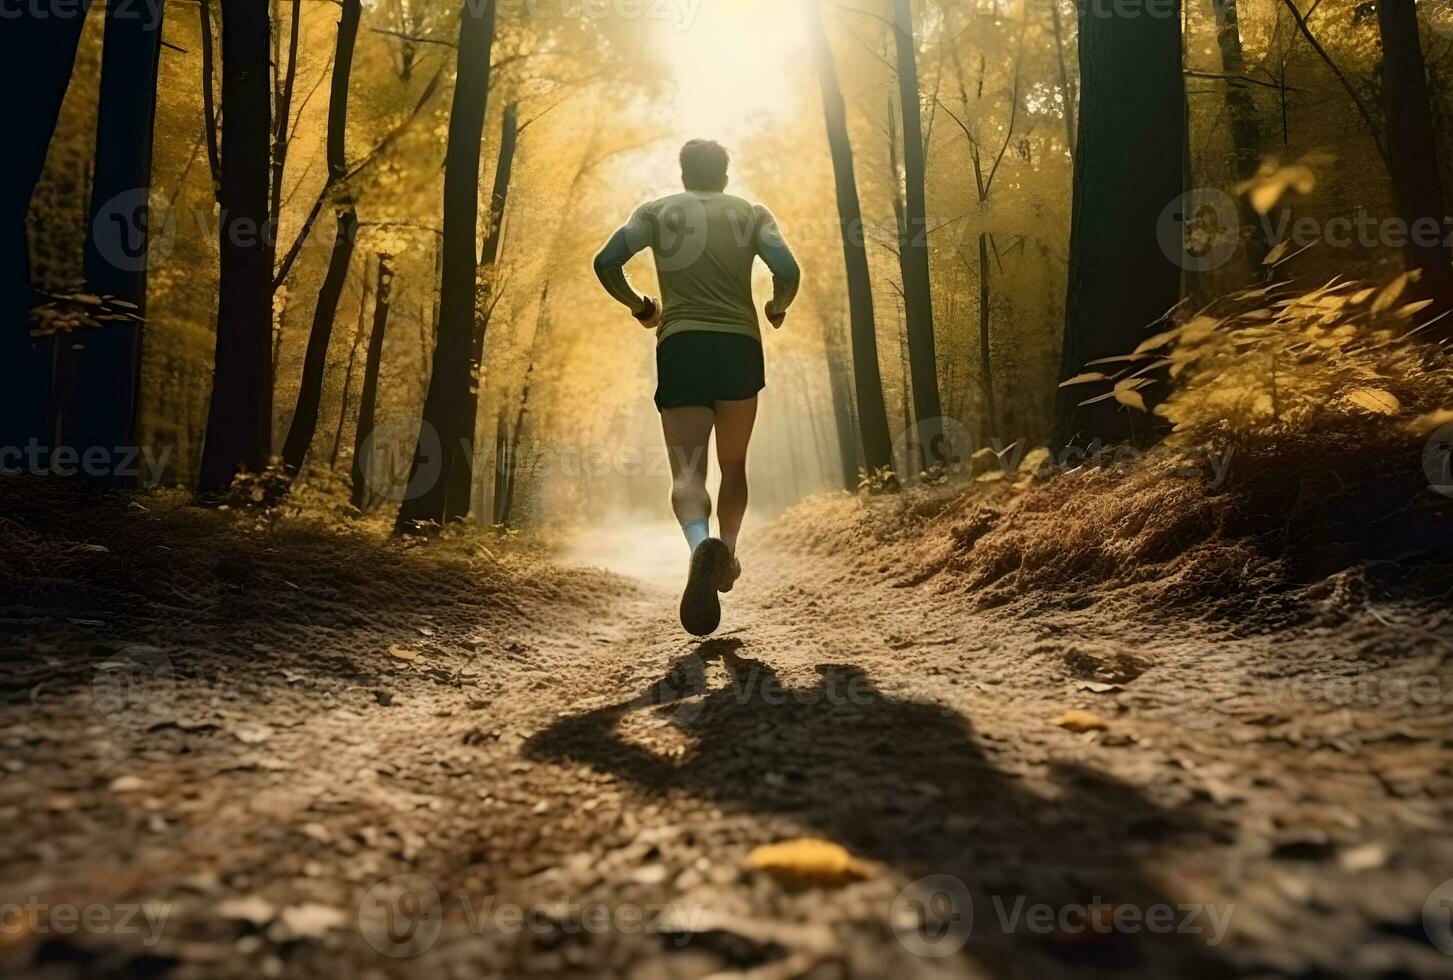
x,y
560,783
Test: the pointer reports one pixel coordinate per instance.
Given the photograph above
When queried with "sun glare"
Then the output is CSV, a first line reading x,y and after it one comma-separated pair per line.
x,y
732,62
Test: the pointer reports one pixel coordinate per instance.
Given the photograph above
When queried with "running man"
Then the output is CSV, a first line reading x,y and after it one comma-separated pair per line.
x,y
709,365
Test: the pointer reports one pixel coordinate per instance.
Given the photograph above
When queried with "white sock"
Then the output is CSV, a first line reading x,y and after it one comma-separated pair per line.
x,y
696,532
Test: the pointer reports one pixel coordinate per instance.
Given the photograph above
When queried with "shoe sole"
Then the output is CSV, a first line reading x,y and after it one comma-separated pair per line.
x,y
700,607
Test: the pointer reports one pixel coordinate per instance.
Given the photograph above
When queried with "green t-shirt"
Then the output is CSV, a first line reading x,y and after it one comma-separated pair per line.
x,y
704,245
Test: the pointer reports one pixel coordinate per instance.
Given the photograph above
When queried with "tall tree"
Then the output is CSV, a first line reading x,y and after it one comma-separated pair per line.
x,y
368,399
872,415
488,294
107,360
1245,127
913,246
985,173
1412,148
315,361
44,46
239,420
1127,169
436,484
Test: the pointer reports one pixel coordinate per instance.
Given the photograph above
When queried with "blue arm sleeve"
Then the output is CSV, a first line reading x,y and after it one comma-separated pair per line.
x,y
610,263
786,273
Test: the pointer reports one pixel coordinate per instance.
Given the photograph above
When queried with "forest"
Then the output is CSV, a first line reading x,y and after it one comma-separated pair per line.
x,y
1096,578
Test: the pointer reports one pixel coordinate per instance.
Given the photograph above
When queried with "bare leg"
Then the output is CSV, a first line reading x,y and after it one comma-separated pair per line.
x,y
734,422
688,432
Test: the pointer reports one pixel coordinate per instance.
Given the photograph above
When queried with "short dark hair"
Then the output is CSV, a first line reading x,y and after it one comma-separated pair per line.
x,y
704,166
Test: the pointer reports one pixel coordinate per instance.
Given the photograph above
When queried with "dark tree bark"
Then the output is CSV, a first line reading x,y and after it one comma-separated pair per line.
x,y
488,260
436,492
1245,127
209,99
368,398
44,48
283,100
913,248
348,373
104,364
840,380
1412,148
1127,170
872,414
315,360
239,421
505,498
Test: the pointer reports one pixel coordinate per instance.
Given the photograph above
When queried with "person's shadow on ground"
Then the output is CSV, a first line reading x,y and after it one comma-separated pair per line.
x,y
906,782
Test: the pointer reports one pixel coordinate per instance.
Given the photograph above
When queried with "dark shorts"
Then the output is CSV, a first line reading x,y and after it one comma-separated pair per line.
x,y
701,368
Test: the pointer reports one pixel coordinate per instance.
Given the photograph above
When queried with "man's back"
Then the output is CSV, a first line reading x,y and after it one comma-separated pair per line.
x,y
704,244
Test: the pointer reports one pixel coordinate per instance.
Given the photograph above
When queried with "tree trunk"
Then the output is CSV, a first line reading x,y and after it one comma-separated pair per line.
x,y
1413,154
105,363
840,381
315,361
488,259
1127,169
445,496
239,421
986,366
516,435
368,399
1245,128
348,373
872,414
283,100
1064,75
913,253
502,466
49,44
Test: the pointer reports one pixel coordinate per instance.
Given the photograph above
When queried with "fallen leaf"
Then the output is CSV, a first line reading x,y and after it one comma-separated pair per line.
x,y
1375,400
403,653
1076,720
127,784
252,908
1368,857
312,919
252,734
807,862
1391,293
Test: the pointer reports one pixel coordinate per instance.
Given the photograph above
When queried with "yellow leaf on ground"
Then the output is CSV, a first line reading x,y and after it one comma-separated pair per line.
x,y
1375,400
1076,720
807,862
403,653
1391,293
